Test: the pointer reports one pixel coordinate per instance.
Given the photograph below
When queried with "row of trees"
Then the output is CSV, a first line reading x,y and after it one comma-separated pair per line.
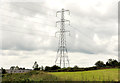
x,y
111,63
16,68
68,69
47,68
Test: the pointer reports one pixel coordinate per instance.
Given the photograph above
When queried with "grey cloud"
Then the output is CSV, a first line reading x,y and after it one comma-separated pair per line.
x,y
87,25
20,42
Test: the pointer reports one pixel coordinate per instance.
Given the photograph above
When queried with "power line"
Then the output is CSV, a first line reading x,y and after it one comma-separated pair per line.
x,y
79,24
81,32
22,13
27,20
34,6
77,30
23,27
22,32
49,25
27,9
5,9
16,18
87,39
45,32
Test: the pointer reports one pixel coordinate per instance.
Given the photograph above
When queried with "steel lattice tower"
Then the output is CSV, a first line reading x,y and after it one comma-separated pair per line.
x,y
62,57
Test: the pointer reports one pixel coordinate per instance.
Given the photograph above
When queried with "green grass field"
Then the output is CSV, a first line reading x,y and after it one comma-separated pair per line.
x,y
94,75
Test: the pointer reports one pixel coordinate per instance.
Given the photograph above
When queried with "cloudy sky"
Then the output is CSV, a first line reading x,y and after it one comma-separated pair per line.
x,y
27,32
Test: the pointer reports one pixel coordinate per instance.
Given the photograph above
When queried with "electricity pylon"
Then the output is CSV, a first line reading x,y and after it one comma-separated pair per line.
x,y
62,57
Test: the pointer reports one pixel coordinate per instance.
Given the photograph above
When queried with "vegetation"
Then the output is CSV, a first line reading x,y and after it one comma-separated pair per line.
x,y
100,72
53,68
36,66
30,76
111,63
100,64
16,68
3,71
94,75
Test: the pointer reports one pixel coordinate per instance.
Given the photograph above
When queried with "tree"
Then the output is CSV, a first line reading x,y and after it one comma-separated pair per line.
x,y
55,67
3,71
12,67
99,64
42,68
21,68
119,64
75,67
109,62
112,63
16,68
47,68
36,66
115,63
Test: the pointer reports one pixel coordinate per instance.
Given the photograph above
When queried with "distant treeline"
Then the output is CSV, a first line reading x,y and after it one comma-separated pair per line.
x,y
111,63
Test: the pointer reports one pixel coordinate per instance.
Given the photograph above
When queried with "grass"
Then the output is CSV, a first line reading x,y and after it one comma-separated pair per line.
x,y
94,75
30,76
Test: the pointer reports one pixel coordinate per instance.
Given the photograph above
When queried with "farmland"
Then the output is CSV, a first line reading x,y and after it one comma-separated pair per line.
x,y
93,75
